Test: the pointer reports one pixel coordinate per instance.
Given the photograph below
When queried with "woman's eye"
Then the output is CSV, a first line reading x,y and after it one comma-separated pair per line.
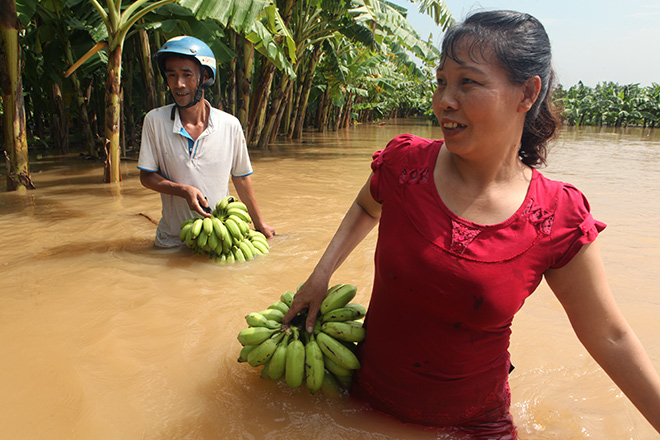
x,y
441,82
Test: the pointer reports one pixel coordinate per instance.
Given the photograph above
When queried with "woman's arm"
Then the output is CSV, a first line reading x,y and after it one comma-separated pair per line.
x,y
582,288
193,196
245,191
360,219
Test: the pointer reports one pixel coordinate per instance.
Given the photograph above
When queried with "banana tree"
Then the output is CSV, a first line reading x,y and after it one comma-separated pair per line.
x,y
16,150
118,20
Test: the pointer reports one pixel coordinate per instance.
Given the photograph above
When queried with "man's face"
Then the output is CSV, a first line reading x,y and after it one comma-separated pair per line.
x,y
182,75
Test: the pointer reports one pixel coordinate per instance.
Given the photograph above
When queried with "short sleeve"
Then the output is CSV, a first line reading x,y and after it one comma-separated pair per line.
x,y
386,166
241,165
574,226
147,158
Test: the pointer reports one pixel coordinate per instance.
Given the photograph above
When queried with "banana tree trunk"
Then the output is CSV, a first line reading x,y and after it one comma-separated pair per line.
x,y
245,82
294,106
259,102
323,110
59,124
231,80
347,112
82,105
112,171
307,87
272,124
147,69
16,149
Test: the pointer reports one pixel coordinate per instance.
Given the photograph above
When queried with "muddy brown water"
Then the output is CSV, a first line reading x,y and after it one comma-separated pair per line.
x,y
104,337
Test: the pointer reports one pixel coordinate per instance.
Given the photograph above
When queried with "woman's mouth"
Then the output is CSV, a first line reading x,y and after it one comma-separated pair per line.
x,y
452,125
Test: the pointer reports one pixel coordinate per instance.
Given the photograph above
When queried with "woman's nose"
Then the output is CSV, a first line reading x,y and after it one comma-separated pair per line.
x,y
445,98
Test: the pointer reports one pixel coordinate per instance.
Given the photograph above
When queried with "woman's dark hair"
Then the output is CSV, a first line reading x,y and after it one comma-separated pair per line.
x,y
522,47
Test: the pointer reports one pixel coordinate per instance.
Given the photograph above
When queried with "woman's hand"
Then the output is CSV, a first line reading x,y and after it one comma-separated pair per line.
x,y
309,297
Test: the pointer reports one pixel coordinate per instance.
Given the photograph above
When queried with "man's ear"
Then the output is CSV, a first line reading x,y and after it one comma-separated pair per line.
x,y
531,90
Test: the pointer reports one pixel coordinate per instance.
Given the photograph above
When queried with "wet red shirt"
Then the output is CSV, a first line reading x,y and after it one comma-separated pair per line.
x,y
446,289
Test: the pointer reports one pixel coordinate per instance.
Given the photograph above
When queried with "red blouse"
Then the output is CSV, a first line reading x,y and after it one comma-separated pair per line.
x,y
446,289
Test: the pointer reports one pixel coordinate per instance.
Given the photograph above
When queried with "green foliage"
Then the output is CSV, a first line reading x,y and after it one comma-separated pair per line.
x,y
610,104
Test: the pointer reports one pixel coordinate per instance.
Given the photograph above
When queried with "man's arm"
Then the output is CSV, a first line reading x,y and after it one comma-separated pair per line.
x,y
246,194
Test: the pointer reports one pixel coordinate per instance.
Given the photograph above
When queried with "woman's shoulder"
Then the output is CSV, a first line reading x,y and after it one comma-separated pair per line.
x,y
560,189
406,146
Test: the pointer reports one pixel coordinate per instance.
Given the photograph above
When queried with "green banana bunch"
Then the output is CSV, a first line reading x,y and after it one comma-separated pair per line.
x,y
225,236
324,360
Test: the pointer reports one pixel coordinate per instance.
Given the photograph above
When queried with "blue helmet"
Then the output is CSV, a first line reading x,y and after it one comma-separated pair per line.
x,y
190,47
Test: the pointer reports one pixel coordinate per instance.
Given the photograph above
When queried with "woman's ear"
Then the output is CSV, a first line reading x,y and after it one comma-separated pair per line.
x,y
531,90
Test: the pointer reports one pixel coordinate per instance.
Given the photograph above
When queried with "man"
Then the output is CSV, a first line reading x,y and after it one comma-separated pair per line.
x,y
190,150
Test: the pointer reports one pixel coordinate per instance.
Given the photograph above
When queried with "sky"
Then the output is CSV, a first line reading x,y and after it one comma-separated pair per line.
x,y
592,41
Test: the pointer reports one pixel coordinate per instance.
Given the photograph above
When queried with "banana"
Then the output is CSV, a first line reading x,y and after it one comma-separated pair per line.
x,y
349,312
242,226
250,246
243,215
345,381
294,373
187,222
220,229
314,369
279,305
336,351
264,370
257,235
207,225
335,368
221,206
330,386
247,253
234,230
237,205
338,297
184,231
214,244
256,319
255,335
238,254
190,241
261,247
264,351
202,238
242,356
287,298
344,331
197,227
277,364
230,256
272,314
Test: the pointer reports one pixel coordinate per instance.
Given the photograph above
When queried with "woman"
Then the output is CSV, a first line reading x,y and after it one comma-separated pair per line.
x,y
468,228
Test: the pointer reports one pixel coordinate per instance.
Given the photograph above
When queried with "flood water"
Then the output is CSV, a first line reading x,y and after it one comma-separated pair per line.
x,y
105,337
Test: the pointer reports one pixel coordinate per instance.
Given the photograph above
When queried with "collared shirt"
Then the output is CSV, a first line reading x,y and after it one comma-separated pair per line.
x,y
206,163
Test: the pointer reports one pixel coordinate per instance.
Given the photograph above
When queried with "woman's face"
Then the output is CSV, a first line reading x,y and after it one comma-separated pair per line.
x,y
477,105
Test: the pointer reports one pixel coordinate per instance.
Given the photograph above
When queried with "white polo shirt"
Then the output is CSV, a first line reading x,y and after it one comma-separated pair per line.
x,y
207,163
